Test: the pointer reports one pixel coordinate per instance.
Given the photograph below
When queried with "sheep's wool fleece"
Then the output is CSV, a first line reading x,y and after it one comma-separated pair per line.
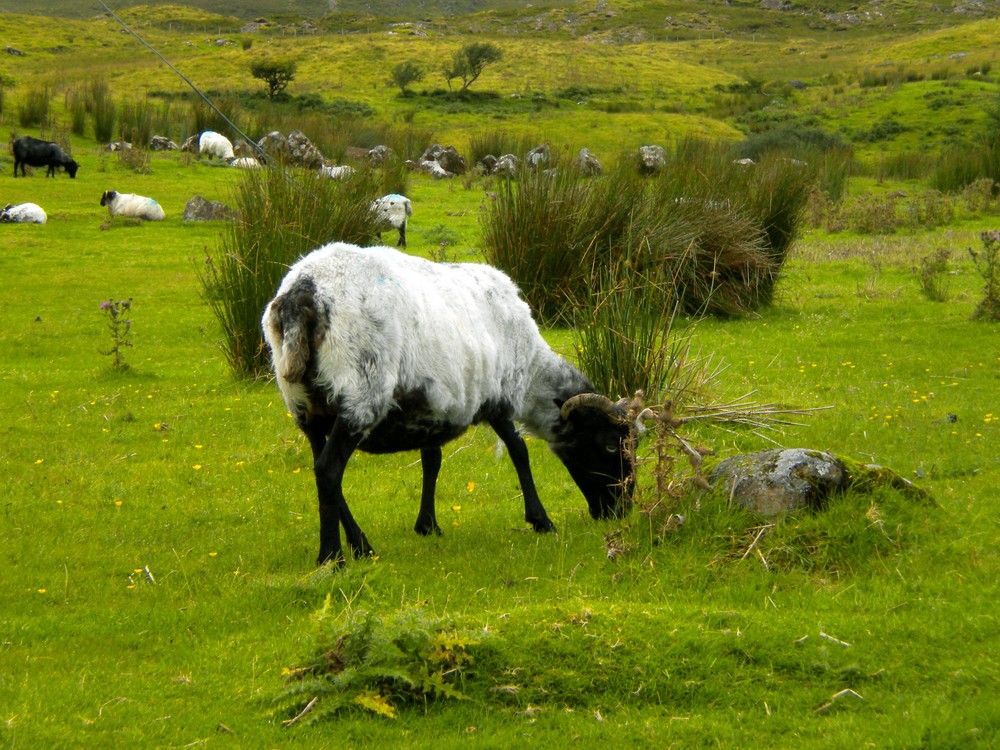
x,y
459,334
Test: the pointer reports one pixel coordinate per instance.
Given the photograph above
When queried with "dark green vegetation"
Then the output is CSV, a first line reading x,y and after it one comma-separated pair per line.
x,y
159,523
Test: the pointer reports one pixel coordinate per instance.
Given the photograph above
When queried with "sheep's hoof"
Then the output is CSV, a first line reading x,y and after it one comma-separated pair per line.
x,y
427,529
543,526
336,559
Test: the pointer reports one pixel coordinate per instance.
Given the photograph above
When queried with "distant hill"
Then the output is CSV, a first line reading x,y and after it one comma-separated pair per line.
x,y
649,18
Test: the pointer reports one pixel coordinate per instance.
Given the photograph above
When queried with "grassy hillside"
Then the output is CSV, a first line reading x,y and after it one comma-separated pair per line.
x,y
882,88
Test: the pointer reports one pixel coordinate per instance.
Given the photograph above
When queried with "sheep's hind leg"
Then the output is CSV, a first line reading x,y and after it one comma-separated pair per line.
x,y
330,456
534,512
430,463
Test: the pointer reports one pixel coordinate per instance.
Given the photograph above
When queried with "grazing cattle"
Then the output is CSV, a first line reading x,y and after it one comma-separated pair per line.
x,y
35,153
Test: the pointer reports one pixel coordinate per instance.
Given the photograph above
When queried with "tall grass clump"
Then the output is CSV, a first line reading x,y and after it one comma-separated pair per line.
x,y
627,333
712,232
34,111
497,143
76,104
205,118
279,217
548,231
135,121
102,109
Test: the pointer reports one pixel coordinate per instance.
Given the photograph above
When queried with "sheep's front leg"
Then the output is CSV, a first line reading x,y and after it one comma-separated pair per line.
x,y
534,513
430,463
330,456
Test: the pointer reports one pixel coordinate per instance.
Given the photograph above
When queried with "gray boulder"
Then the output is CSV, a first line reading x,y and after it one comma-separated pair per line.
x,y
199,209
652,159
449,159
588,164
776,481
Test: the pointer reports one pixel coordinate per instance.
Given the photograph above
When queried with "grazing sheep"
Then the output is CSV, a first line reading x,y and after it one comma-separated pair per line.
x,y
214,144
377,350
132,205
36,153
23,213
336,173
392,211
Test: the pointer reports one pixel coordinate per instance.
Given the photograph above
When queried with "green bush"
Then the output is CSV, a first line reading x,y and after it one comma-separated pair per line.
x,y
280,216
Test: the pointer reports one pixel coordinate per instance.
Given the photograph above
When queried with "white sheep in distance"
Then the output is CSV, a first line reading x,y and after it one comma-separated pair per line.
x,y
245,162
392,211
337,173
377,350
212,144
23,213
132,205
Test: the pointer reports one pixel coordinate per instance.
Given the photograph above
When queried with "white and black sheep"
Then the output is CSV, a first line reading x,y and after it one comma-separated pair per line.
x,y
392,211
380,351
212,144
132,205
23,213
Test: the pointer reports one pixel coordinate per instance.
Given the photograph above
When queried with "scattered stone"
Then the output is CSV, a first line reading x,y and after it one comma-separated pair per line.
x,y
773,482
449,158
162,143
651,159
588,164
199,209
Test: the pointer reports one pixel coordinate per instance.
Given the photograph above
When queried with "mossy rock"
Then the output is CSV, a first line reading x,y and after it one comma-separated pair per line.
x,y
777,481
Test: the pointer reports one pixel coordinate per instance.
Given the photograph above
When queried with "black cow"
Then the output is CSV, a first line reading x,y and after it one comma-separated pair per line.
x,y
36,153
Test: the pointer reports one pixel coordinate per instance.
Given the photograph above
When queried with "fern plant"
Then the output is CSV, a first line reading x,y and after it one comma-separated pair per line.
x,y
376,664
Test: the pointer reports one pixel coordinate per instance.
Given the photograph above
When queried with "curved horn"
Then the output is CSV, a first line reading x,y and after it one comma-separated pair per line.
x,y
594,401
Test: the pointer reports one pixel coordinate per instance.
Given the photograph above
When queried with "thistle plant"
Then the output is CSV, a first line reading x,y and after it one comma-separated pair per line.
x,y
987,263
120,326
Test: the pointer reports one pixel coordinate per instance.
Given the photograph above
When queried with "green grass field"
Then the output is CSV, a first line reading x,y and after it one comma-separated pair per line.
x,y
159,528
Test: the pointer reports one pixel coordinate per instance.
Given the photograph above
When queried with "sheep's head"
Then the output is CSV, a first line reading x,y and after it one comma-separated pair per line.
x,y
596,442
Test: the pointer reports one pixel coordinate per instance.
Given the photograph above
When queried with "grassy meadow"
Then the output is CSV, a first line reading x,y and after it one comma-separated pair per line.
x,y
159,528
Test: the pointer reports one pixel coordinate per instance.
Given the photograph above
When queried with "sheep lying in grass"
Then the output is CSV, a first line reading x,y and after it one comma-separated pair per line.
x,y
23,213
377,350
337,173
245,162
132,205
212,144
392,211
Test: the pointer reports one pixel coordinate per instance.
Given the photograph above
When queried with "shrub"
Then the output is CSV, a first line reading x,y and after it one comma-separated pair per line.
x,y
278,219
987,263
934,275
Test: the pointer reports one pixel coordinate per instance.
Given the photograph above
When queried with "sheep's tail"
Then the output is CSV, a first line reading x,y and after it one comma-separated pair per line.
x,y
290,324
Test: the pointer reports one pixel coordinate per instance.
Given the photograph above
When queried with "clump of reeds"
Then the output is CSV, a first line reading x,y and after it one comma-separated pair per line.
x,y
279,216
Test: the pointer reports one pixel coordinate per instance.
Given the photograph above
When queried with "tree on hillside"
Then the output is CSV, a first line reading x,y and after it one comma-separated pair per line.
x,y
406,73
277,74
469,62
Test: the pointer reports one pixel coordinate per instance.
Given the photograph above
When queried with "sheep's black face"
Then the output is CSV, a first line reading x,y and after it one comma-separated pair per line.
x,y
598,451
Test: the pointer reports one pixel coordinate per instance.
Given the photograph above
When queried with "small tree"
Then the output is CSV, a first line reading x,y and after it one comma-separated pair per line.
x,y
406,73
469,62
277,74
